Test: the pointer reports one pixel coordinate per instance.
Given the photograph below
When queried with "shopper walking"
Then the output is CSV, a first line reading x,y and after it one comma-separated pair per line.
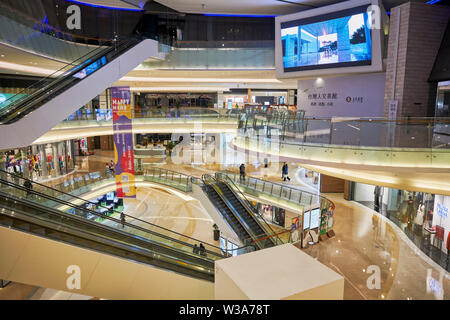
x,y
242,172
285,172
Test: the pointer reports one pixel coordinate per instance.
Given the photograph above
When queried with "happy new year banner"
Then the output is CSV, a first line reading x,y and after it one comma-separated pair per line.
x,y
123,142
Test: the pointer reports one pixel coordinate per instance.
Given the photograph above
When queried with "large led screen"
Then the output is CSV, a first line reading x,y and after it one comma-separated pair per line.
x,y
340,39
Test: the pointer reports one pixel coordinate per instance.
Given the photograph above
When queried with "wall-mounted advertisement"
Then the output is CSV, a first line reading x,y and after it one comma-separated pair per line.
x,y
315,218
123,142
306,220
340,39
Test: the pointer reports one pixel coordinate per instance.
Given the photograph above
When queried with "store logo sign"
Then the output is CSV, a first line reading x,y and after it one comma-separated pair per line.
x,y
442,211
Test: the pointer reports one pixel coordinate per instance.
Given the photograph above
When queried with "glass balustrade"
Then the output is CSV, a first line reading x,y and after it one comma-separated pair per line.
x,y
375,132
169,178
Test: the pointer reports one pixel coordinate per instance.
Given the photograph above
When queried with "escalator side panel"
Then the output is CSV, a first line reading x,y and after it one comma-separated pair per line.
x,y
60,107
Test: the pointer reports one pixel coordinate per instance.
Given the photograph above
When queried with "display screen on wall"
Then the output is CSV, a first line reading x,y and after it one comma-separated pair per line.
x,y
337,39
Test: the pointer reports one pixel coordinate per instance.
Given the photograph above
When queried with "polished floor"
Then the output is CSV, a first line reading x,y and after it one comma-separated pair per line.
x,y
365,241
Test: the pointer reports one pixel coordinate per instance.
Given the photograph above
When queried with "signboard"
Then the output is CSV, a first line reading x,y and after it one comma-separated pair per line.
x,y
442,210
123,142
392,109
306,220
315,215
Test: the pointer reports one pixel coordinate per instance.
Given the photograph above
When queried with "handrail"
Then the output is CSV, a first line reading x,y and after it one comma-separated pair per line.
x,y
101,215
15,110
208,178
143,246
52,76
227,172
247,204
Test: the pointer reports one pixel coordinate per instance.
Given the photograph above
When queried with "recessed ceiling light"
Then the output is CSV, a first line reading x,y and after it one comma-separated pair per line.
x,y
2,55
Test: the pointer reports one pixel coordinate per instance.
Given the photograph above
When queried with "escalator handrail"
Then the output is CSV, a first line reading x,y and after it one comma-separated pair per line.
x,y
103,216
9,114
321,197
113,242
98,53
256,241
250,208
206,178
51,76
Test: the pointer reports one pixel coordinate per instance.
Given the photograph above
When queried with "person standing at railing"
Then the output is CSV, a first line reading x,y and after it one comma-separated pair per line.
x,y
242,172
285,172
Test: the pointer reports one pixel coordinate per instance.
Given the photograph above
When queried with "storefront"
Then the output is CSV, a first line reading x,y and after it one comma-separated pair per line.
x,y
443,100
39,162
422,216
273,214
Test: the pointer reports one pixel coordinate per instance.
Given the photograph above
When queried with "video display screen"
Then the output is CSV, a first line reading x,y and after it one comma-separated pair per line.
x,y
340,39
91,68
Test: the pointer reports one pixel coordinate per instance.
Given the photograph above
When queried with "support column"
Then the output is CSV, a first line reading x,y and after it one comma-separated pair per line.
x,y
25,171
249,95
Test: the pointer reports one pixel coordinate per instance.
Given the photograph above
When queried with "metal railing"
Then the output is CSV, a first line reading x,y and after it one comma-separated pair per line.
x,y
57,199
254,212
169,178
305,201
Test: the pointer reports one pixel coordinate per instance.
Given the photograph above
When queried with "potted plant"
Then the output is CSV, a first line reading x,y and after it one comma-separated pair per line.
x,y
216,232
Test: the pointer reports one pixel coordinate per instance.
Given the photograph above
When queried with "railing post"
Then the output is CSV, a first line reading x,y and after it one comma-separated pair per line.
x,y
331,132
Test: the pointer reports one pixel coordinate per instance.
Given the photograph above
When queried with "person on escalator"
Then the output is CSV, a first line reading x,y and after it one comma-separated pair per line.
x,y
122,219
202,250
196,249
29,186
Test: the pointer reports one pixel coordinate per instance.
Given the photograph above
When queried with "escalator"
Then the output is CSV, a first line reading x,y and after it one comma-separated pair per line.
x,y
69,88
239,215
39,210
233,221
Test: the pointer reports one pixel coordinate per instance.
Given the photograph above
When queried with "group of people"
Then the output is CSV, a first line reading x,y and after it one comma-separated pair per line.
x,y
284,171
201,250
